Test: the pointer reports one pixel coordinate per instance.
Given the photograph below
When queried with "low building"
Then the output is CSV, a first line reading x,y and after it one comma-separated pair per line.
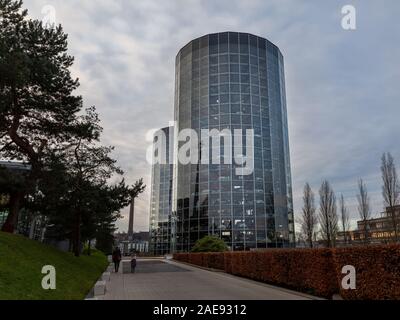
x,y
28,225
380,230
139,242
4,199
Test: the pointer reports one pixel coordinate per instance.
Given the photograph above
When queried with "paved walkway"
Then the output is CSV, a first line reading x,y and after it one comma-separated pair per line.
x,y
158,279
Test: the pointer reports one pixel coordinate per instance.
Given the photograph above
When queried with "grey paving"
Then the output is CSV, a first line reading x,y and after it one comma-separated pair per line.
x,y
169,280
158,266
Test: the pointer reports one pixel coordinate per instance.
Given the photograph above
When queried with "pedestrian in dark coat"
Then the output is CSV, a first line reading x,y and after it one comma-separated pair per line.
x,y
133,263
116,257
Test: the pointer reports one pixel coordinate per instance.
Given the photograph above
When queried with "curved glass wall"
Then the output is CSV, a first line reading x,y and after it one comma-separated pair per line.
x,y
233,81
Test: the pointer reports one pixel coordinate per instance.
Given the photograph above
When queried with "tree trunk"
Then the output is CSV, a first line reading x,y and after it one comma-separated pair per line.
x,y
328,237
394,223
77,235
310,240
89,247
12,218
366,236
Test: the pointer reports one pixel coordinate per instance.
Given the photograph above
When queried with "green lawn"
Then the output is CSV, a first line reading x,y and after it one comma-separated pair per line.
x,y
21,262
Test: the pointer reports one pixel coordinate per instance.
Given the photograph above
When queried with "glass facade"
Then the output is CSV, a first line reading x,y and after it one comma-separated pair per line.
x,y
233,81
161,194
4,200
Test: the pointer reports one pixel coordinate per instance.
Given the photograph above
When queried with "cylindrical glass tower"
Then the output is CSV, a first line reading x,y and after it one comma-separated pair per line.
x,y
233,81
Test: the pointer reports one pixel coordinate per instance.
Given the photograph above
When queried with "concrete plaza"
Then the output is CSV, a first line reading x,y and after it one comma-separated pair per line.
x,y
160,279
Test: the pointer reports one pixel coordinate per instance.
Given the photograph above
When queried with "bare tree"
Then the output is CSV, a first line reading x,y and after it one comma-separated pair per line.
x,y
328,218
344,218
364,208
308,219
390,190
300,239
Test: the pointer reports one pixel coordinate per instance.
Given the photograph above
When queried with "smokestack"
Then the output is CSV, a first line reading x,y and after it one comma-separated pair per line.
x,y
130,229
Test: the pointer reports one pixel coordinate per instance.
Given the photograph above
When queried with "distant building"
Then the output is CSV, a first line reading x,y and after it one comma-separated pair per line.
x,y
344,238
138,242
380,230
15,166
137,236
32,227
4,199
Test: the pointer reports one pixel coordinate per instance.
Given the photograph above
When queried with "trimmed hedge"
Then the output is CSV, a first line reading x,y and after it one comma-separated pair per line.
x,y
313,271
377,271
183,257
305,270
213,260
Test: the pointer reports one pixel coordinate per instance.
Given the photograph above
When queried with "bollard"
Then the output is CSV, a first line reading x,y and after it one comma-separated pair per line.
x,y
106,276
100,288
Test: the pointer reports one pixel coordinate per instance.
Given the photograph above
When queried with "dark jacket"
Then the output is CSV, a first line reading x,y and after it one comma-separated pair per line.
x,y
116,256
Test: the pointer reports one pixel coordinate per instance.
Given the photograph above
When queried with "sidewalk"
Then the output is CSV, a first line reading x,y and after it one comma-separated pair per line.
x,y
157,279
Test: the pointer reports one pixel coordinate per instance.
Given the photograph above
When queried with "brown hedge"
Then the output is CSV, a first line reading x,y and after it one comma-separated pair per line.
x,y
314,271
214,260
208,260
377,271
305,270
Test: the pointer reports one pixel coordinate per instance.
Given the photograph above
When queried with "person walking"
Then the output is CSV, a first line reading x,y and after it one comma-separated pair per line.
x,y
116,256
133,263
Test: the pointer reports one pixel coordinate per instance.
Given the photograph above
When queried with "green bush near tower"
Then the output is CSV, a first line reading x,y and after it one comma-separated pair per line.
x,y
210,244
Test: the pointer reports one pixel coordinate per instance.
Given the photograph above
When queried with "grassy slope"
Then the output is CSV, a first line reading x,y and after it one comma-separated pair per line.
x,y
21,262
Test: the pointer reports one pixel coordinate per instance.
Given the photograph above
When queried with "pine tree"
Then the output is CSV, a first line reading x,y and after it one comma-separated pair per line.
x,y
38,109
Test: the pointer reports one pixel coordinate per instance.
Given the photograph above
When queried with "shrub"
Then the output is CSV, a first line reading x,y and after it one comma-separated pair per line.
x,y
214,260
313,271
377,271
196,258
306,270
210,244
309,271
184,257
228,256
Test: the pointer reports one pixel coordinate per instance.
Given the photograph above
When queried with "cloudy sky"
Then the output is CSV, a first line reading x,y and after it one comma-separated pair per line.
x,y
342,86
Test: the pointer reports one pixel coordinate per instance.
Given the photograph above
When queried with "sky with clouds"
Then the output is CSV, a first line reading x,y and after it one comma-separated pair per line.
x,y
342,86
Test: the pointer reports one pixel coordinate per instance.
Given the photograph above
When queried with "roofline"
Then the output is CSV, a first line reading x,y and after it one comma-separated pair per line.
x,y
208,34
